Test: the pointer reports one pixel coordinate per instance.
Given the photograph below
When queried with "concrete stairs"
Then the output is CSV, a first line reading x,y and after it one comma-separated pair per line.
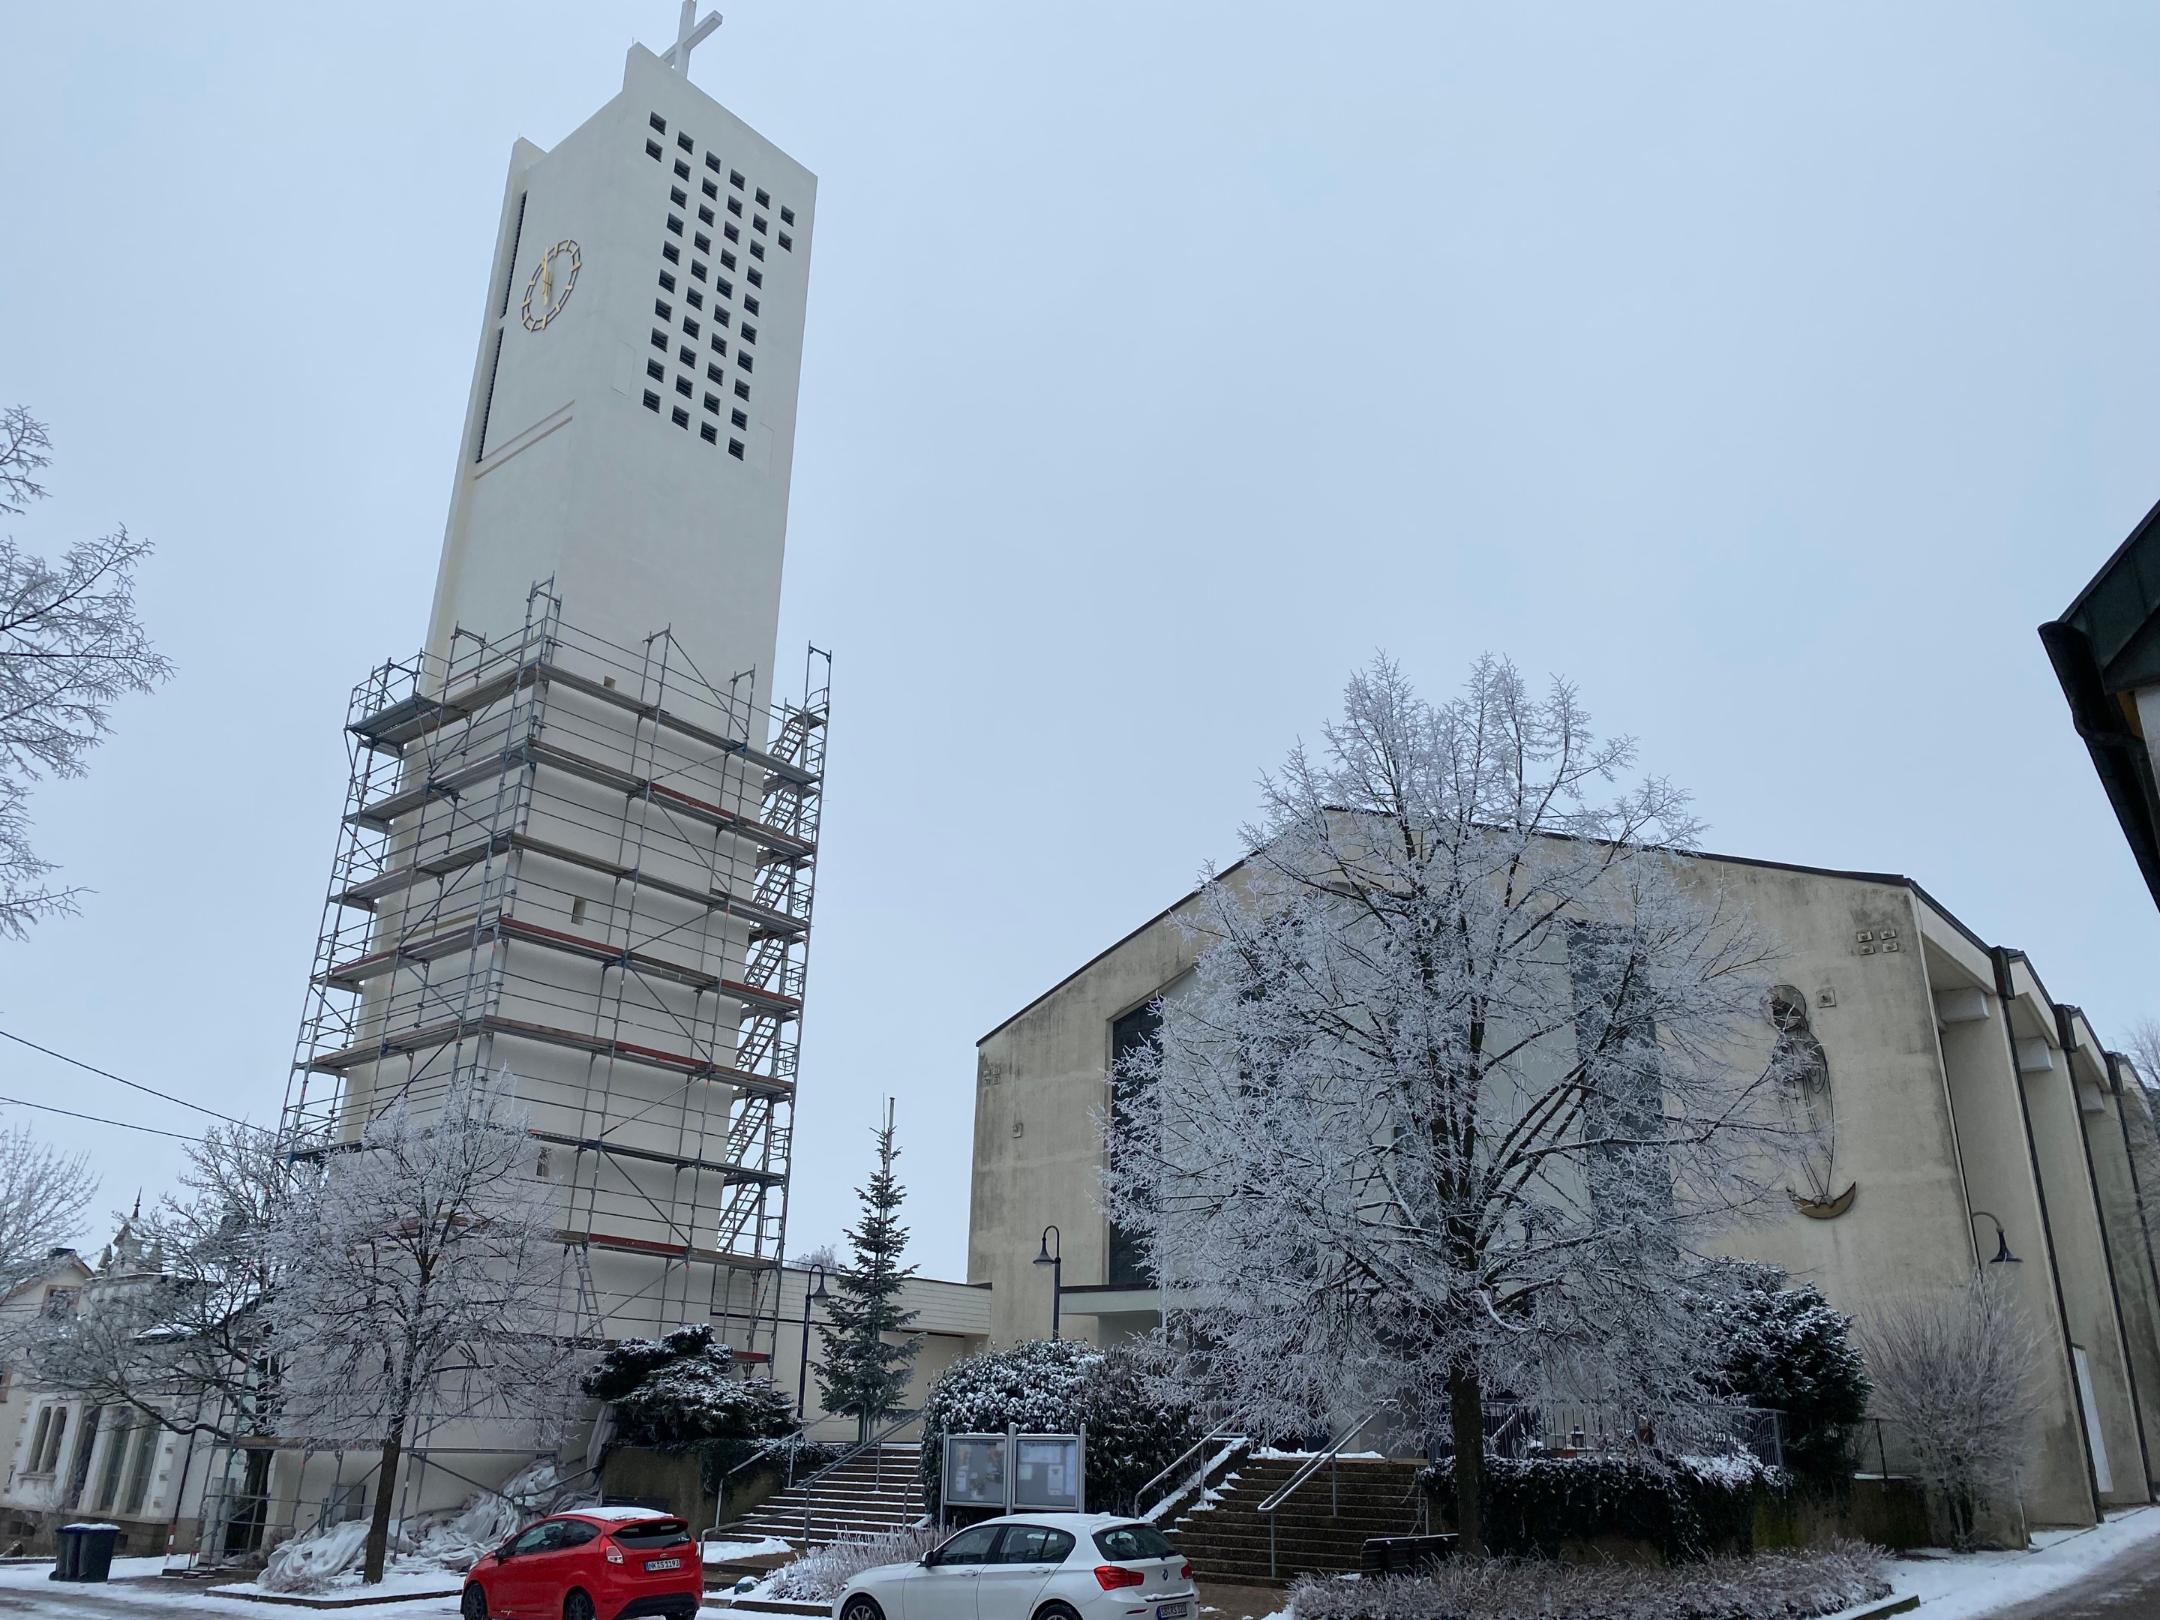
x,y
879,1489
1227,1540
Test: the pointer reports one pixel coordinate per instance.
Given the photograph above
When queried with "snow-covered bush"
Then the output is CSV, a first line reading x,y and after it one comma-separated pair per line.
x,y
1056,1386
819,1575
1955,1373
1771,1586
682,1389
1688,1508
1785,1347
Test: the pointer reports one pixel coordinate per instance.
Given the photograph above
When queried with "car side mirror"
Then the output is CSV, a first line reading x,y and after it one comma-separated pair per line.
x,y
929,1559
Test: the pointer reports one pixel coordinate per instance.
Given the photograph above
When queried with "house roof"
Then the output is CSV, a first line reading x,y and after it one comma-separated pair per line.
x,y
2106,646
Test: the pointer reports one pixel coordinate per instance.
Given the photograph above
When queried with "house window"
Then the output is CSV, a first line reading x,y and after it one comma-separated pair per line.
x,y
659,341
52,1431
750,304
667,280
742,389
757,223
678,196
735,180
764,199
745,361
682,169
674,224
730,232
757,250
734,448
712,191
709,433
734,206
702,242
739,419
696,298
714,374
652,400
686,143
662,308
144,1449
681,417
697,269
682,386
757,276
749,333
116,1439
690,327
658,123
656,371
652,150
670,252
687,355
787,242
787,216
712,161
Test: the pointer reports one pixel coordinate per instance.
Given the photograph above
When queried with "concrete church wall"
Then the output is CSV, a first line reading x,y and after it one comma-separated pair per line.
x,y
1932,1124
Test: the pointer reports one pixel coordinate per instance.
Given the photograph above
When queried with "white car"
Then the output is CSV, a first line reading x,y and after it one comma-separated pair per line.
x,y
1032,1566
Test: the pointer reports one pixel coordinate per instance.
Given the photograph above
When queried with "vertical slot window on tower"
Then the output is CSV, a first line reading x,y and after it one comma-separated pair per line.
x,y
709,433
787,216
787,242
735,448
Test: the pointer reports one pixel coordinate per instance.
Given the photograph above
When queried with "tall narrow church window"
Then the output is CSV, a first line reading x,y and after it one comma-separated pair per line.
x,y
1129,1036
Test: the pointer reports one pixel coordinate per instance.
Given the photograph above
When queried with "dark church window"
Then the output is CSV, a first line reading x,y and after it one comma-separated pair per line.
x,y
1136,1031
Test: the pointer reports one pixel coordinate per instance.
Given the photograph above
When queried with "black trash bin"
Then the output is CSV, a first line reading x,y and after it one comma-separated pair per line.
x,y
85,1552
1404,1555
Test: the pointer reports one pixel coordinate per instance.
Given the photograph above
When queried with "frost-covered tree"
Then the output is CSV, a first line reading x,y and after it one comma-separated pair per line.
x,y
181,1341
70,646
420,1265
867,1353
1782,1345
1471,1061
1136,1425
44,1195
1955,1372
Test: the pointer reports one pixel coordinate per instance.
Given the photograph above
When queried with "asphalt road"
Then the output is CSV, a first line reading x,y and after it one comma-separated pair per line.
x,y
2126,1588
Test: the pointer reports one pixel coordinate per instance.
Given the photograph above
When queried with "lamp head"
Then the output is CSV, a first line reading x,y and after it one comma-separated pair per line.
x,y
1046,1258
818,1294
2003,1256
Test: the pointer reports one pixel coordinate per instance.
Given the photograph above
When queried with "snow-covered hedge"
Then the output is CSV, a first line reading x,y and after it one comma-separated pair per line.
x,y
1688,1508
1055,1386
819,1575
683,1389
1771,1586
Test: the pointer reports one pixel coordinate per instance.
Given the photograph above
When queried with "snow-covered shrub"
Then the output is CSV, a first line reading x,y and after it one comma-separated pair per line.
x,y
682,1389
1770,1586
1955,1373
1056,1386
819,1575
1785,1347
1688,1508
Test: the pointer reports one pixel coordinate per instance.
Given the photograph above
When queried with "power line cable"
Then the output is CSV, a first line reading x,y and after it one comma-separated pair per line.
x,y
136,1085
98,1119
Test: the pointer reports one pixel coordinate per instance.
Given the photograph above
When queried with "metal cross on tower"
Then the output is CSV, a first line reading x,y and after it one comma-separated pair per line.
x,y
689,34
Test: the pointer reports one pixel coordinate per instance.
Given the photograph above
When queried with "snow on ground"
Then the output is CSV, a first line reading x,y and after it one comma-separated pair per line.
x,y
127,1592
726,1552
1966,1586
413,1582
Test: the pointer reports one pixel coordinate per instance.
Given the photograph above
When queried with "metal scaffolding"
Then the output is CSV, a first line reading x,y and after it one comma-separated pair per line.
x,y
590,866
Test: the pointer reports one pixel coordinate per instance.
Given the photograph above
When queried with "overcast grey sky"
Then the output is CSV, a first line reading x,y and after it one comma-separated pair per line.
x,y
1772,371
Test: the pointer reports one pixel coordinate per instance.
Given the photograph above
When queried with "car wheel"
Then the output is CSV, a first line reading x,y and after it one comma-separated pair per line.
x,y
1056,1611
862,1608
577,1606
474,1604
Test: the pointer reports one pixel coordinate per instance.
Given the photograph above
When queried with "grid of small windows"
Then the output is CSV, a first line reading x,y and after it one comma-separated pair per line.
x,y
695,314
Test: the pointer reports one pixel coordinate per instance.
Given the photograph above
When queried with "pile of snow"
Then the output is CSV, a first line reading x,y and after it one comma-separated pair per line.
x,y
447,1541
728,1552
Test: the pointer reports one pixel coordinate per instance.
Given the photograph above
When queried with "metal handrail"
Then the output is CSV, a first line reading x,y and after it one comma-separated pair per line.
x,y
809,1485
1331,1455
1212,1437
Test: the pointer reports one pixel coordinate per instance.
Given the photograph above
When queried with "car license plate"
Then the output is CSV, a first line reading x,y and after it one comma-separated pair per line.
x,y
662,1563
1170,1611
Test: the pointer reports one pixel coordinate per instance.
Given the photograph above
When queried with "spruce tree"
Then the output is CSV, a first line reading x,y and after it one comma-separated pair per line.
x,y
866,1362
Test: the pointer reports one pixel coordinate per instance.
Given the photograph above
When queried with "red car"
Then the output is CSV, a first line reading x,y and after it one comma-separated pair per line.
x,y
605,1563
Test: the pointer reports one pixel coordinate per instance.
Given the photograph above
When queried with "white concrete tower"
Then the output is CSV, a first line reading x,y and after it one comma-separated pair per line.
x,y
580,837
631,425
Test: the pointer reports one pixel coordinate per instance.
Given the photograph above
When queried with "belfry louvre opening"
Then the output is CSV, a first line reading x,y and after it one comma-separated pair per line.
x,y
591,866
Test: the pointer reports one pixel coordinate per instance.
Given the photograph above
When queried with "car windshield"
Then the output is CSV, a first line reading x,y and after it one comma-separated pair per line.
x,y
642,1533
1123,1542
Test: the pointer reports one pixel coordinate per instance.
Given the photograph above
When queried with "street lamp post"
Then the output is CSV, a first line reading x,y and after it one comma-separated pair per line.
x,y
1053,1256
2002,1255
812,1295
